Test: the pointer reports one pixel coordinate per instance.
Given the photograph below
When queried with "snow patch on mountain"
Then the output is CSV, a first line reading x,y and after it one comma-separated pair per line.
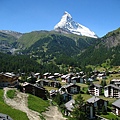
x,y
68,25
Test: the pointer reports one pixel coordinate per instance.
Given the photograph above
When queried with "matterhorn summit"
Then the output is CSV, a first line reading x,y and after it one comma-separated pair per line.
x,y
68,25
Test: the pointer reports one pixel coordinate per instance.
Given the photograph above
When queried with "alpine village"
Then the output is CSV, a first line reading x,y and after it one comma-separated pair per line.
x,y
59,75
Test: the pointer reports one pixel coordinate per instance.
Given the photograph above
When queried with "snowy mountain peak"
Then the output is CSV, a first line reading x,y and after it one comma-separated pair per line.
x,y
67,16
68,25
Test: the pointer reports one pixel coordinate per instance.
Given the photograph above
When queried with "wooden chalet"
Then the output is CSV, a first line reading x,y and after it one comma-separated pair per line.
x,y
35,90
70,88
8,80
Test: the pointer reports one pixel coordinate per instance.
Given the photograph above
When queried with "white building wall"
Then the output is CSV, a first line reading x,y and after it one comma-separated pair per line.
x,y
119,94
111,92
116,111
106,92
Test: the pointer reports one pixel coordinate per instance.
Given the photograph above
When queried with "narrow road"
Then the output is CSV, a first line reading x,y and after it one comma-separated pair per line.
x,y
53,114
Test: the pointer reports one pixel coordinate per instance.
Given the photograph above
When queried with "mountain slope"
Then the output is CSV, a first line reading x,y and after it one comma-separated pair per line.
x,y
68,25
48,46
7,42
106,50
12,33
112,39
28,39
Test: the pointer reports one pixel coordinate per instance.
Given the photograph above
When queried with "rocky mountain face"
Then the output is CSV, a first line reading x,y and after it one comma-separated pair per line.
x,y
8,41
112,39
68,25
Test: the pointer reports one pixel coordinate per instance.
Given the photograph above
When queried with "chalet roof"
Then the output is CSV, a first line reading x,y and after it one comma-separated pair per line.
x,y
56,73
116,103
101,74
81,72
111,85
29,77
96,85
45,80
46,73
74,78
69,74
68,85
115,80
26,84
69,105
9,74
83,76
117,83
64,76
90,79
50,77
37,74
38,81
53,91
93,99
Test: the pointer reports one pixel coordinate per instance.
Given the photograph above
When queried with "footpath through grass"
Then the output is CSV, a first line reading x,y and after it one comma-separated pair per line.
x,y
13,113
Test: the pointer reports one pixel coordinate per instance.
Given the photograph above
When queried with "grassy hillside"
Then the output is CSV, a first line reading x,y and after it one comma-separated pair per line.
x,y
46,46
13,113
29,39
37,104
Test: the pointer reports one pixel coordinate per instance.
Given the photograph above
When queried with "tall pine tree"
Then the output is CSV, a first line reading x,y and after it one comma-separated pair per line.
x,y
78,112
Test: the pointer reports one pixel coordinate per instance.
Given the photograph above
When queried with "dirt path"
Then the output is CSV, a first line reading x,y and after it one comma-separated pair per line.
x,y
20,103
53,114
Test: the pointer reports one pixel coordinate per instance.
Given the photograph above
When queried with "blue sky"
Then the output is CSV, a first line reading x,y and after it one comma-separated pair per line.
x,y
100,16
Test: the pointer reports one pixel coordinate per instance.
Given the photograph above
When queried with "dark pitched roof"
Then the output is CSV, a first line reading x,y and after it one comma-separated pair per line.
x,y
116,103
26,84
